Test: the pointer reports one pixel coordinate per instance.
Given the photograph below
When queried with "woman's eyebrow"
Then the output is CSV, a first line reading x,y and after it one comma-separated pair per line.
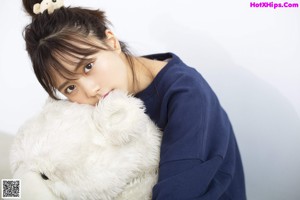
x,y
83,61
64,84
80,63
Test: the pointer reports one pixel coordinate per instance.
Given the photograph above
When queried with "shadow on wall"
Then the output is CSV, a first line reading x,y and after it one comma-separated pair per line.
x,y
266,125
5,145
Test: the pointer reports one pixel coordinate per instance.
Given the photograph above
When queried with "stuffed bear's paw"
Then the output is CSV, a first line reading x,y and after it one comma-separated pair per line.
x,y
120,117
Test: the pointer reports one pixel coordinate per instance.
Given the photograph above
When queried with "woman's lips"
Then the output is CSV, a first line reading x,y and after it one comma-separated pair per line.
x,y
101,98
106,94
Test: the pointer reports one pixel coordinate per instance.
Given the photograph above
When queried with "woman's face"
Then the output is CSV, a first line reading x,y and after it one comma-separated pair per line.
x,y
105,71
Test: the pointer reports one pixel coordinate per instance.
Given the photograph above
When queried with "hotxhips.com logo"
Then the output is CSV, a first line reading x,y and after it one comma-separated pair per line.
x,y
273,5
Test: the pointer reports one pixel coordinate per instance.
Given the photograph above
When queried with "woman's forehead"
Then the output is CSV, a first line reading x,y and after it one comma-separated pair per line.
x,y
75,52
69,58
69,61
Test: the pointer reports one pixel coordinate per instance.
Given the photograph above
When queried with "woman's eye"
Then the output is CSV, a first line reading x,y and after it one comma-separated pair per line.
x,y
88,67
70,89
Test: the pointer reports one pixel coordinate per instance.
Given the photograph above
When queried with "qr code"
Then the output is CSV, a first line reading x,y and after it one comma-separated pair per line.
x,y
11,188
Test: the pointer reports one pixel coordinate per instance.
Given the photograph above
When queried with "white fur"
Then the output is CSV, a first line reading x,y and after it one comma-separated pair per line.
x,y
110,151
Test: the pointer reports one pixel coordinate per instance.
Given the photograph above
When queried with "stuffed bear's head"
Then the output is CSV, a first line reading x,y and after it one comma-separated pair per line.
x,y
85,152
49,5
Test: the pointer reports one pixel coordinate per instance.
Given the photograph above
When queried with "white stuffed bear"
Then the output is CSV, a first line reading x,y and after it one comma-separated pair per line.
x,y
75,151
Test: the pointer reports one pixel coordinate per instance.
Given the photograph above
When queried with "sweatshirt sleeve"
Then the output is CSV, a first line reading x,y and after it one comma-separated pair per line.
x,y
197,158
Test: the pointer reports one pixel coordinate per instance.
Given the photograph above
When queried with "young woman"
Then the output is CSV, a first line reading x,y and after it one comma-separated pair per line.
x,y
73,52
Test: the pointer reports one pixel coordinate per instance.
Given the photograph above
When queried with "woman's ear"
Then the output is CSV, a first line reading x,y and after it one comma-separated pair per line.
x,y
112,41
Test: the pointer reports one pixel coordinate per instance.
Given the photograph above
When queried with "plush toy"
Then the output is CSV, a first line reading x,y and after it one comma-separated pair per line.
x,y
49,5
75,151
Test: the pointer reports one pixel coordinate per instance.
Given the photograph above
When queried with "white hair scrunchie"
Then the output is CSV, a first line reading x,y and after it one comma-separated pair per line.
x,y
49,5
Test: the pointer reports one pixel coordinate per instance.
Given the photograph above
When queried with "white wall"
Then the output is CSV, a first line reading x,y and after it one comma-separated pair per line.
x,y
250,56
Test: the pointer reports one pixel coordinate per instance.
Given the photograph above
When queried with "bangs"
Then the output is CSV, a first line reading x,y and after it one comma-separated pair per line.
x,y
71,50
54,53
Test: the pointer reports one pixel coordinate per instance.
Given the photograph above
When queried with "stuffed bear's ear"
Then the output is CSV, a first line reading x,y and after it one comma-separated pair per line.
x,y
120,117
37,8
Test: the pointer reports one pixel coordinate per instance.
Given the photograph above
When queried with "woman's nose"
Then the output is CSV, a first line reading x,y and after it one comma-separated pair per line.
x,y
90,87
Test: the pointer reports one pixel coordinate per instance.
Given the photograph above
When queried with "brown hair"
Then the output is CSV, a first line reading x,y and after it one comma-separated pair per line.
x,y
64,32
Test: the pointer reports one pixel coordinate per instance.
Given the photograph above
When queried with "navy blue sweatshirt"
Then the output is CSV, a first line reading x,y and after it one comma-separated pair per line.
x,y
199,156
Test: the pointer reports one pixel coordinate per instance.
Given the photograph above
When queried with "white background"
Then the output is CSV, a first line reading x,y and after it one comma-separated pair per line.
x,y
250,57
